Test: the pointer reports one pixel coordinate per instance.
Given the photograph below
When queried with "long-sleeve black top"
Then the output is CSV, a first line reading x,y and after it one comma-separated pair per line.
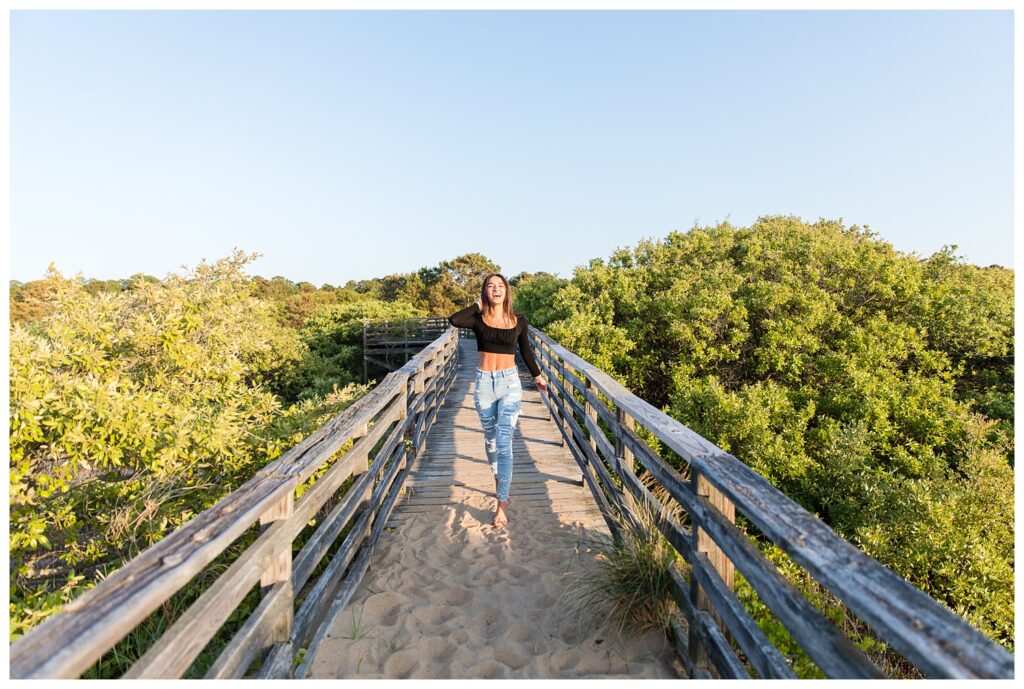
x,y
497,340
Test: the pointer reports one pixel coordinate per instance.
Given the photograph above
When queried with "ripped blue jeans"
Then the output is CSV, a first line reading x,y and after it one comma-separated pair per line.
x,y
498,397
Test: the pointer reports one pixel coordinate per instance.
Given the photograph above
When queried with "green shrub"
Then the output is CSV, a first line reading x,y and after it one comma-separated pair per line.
x,y
873,387
630,585
333,338
131,412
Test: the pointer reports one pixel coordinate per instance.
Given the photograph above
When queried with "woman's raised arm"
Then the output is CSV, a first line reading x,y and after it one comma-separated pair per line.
x,y
464,318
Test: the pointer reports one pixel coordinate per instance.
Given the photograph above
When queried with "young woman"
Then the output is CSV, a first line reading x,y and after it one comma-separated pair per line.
x,y
498,393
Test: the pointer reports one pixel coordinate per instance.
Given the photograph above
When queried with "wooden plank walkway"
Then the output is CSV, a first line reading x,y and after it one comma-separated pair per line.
x,y
450,596
545,476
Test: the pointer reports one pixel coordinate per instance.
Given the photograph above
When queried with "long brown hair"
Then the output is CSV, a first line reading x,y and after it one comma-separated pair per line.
x,y
507,311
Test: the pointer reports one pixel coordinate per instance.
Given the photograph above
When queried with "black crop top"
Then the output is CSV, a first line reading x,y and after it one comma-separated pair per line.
x,y
496,340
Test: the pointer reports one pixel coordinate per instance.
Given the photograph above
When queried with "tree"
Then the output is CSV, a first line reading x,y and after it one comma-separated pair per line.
x,y
536,297
276,289
109,286
34,300
453,284
438,290
468,271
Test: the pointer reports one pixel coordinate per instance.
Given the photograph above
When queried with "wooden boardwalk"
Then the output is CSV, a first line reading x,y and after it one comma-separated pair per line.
x,y
450,596
545,478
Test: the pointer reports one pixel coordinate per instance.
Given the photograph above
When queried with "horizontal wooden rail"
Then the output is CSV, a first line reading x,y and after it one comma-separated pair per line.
x,y
384,432
600,420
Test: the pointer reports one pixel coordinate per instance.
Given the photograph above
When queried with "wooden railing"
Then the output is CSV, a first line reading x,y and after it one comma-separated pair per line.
x,y
388,428
599,418
389,343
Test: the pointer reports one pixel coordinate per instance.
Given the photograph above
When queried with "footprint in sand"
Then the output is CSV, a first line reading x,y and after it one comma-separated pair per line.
x,y
552,580
428,619
544,602
491,623
420,530
594,663
572,632
515,572
521,632
488,578
510,654
489,669
450,595
563,659
400,665
356,657
496,535
382,608
409,560
423,573
469,553
437,649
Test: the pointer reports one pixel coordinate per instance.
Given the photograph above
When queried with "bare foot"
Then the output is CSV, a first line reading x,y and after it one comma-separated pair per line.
x,y
499,515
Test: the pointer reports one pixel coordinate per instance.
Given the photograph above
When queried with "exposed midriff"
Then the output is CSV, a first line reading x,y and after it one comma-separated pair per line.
x,y
497,345
491,361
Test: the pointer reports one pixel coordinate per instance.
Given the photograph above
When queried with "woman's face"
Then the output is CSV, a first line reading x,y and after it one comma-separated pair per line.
x,y
495,290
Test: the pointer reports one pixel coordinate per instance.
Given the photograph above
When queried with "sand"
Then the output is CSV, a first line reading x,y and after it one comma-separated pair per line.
x,y
450,596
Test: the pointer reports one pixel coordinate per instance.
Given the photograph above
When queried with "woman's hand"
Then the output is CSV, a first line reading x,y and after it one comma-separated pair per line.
x,y
541,385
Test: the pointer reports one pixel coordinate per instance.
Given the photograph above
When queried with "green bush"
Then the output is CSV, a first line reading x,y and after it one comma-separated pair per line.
x,y
133,411
333,338
630,585
872,387
535,296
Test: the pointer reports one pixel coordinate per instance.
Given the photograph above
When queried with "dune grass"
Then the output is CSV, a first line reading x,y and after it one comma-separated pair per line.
x,y
629,588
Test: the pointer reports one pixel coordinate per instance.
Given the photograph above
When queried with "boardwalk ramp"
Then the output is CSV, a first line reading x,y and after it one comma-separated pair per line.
x,y
449,596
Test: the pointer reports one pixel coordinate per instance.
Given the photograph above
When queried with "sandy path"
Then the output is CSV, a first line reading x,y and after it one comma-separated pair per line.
x,y
449,596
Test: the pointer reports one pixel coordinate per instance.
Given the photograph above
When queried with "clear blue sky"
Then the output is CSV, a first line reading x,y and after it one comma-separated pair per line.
x,y
350,144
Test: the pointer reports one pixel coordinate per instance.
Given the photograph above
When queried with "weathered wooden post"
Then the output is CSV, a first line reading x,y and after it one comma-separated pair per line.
x,y
280,569
408,388
405,341
363,462
365,370
591,413
623,455
592,416
722,564
412,436
560,409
